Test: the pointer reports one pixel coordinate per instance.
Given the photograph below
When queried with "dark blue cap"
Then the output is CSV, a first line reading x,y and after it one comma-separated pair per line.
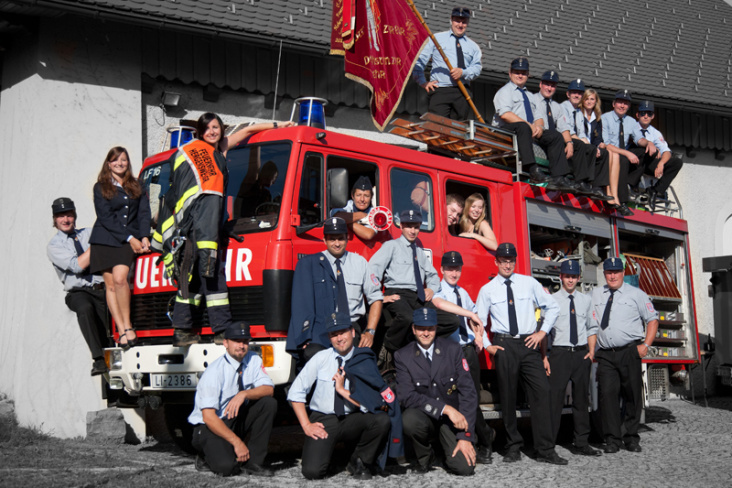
x,y
335,225
506,250
362,183
520,63
552,76
61,205
623,95
646,106
570,267
425,317
452,258
460,12
338,321
238,331
576,85
613,264
410,216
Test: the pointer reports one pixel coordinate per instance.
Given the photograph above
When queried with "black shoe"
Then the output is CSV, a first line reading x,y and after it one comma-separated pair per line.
x,y
484,455
633,447
624,210
652,196
560,183
219,338
99,367
512,456
537,176
598,194
201,464
182,338
424,468
358,470
256,470
611,449
552,458
585,451
584,188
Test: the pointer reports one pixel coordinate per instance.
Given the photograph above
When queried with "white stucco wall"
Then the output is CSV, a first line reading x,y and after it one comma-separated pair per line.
x,y
66,100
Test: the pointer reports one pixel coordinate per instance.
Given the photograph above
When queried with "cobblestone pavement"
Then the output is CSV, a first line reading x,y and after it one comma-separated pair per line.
x,y
684,445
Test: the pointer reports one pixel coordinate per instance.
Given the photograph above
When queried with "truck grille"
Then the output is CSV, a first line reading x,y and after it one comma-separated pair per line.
x,y
149,310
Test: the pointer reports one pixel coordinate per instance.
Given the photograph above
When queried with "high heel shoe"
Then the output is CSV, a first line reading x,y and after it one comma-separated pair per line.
x,y
131,342
125,346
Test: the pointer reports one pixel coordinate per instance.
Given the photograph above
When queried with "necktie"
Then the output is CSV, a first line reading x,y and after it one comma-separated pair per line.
x,y
644,132
238,377
428,358
572,322
342,295
621,136
527,106
339,405
587,129
417,275
460,57
606,314
575,121
464,337
549,116
79,251
512,320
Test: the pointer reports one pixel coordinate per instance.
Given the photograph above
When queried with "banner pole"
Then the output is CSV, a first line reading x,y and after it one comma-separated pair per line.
x,y
463,90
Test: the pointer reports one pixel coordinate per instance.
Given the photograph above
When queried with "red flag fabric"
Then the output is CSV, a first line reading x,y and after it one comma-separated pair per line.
x,y
383,39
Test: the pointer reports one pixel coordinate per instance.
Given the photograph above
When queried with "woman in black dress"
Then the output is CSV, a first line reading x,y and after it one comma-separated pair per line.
x,y
120,232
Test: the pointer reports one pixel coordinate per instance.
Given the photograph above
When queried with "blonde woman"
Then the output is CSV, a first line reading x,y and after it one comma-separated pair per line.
x,y
473,224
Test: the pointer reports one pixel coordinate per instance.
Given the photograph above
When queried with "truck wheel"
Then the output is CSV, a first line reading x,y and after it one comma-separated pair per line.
x,y
176,420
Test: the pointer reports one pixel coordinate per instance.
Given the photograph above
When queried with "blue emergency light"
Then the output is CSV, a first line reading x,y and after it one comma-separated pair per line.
x,y
180,135
311,112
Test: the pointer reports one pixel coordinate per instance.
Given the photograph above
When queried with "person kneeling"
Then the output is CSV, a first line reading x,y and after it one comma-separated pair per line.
x,y
437,393
233,399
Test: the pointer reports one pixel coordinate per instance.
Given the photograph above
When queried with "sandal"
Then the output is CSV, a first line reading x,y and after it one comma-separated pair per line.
x,y
125,346
131,342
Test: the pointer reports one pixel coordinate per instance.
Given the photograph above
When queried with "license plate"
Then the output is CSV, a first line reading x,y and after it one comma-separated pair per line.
x,y
185,381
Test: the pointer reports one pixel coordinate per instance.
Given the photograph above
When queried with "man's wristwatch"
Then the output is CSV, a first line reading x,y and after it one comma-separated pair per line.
x,y
370,331
274,125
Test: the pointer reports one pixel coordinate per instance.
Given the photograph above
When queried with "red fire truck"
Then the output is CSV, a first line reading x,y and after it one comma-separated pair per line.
x,y
277,219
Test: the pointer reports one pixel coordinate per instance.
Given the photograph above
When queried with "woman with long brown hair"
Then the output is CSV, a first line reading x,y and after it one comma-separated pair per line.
x,y
473,224
120,232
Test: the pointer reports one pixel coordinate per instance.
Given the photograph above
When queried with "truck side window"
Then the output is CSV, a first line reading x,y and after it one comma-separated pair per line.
x,y
413,191
156,181
310,203
470,225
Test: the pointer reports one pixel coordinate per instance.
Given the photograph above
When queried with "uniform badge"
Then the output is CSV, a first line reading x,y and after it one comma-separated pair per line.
x,y
322,257
428,408
650,308
594,315
374,279
437,351
465,365
467,434
388,395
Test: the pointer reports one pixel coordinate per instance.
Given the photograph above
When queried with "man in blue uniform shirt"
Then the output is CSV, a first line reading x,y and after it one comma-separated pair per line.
x,y
337,413
445,98
510,300
620,311
617,130
663,165
331,281
356,211
573,348
69,253
437,394
233,400
471,338
516,111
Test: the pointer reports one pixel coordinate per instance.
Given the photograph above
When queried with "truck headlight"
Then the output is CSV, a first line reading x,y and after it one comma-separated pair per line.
x,y
267,353
113,358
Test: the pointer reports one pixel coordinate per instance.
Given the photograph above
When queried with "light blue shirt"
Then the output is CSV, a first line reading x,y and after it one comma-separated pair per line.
x,y
527,293
439,72
611,129
631,309
509,99
351,208
358,282
319,371
62,253
655,136
447,292
582,308
394,261
575,120
560,120
220,383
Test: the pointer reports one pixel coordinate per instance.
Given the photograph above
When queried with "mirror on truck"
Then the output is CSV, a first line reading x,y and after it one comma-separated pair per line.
x,y
337,184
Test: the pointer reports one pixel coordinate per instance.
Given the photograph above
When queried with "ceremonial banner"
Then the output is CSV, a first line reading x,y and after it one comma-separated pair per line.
x,y
380,40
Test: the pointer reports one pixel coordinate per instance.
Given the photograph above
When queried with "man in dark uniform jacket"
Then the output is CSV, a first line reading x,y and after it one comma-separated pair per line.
x,y
436,391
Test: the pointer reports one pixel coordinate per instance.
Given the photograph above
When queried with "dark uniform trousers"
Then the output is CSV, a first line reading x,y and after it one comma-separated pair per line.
x,y
569,364
625,166
369,431
219,316
648,165
586,166
399,319
551,141
619,374
482,430
421,429
448,101
515,362
255,418
90,307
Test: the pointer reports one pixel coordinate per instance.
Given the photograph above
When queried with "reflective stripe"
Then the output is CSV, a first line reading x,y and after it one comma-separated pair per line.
x,y
168,258
207,245
157,237
218,296
216,303
182,201
180,159
191,301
